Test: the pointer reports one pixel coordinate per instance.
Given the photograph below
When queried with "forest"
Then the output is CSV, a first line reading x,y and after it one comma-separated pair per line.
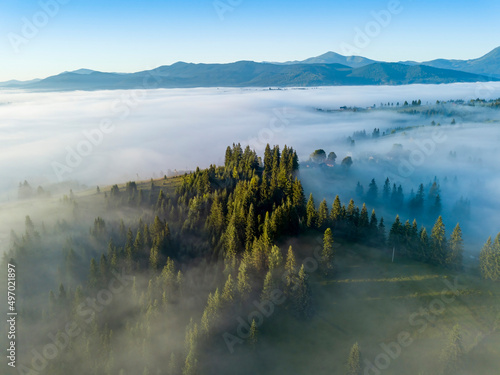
x,y
209,271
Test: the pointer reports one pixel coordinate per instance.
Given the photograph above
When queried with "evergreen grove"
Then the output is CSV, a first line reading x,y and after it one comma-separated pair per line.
x,y
231,219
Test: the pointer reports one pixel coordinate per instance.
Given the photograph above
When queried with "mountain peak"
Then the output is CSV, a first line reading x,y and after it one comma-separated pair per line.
x,y
495,53
82,71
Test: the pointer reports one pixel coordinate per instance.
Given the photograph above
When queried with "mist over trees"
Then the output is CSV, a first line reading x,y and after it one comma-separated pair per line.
x,y
230,221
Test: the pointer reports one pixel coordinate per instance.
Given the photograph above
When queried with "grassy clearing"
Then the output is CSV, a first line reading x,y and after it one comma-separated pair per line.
x,y
373,301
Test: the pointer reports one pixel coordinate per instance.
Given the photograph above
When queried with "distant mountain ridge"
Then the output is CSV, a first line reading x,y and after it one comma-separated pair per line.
x,y
329,69
487,65
335,58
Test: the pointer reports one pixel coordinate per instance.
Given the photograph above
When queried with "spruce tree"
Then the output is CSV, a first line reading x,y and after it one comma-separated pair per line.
x,y
301,299
274,259
364,225
172,365
243,285
252,339
386,192
372,194
489,259
290,275
435,209
269,286
227,296
352,220
322,218
359,190
456,246
382,240
336,211
327,253
311,213
298,198
413,240
452,355
251,227
354,361
395,233
154,257
267,233
439,247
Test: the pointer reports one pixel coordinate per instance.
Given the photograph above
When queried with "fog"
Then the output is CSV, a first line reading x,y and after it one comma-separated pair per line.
x,y
149,132
77,139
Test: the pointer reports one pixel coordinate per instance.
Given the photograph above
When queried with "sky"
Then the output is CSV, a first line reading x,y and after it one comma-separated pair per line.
x,y
47,37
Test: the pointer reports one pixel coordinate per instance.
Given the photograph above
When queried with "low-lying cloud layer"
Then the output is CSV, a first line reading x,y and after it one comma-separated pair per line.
x,y
105,137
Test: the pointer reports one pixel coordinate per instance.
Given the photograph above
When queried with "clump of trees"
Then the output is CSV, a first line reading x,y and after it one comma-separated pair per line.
x,y
489,259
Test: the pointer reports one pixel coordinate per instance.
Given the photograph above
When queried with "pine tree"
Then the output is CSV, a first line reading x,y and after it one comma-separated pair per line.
x,y
311,213
417,203
257,257
381,233
252,339
373,221
301,299
231,245
386,193
336,211
290,271
228,291
372,194
211,313
243,285
406,238
251,227
298,198
363,219
103,269
191,362
394,196
322,218
275,259
360,191
327,253
267,233
93,274
269,286
456,249
435,210
173,369
439,247
352,220
424,247
154,257
138,243
395,234
179,281
433,191
489,259
354,361
452,355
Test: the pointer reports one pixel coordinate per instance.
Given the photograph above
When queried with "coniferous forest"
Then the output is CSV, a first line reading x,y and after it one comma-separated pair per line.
x,y
229,269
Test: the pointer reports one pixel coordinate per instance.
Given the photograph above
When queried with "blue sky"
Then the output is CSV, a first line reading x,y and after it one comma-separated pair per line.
x,y
127,36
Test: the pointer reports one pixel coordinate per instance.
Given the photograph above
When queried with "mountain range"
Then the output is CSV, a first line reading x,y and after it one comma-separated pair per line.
x,y
488,65
329,69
